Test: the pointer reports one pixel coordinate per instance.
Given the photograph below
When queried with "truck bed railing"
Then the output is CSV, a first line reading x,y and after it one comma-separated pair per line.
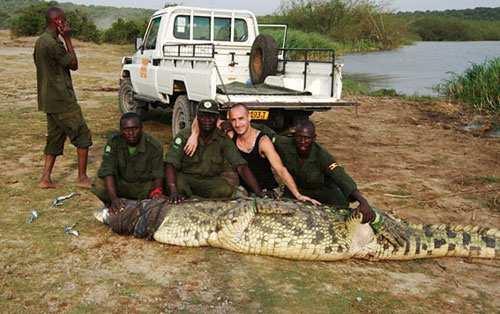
x,y
309,55
202,51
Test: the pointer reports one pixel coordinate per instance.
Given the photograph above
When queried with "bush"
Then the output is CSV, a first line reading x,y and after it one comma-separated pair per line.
x,y
300,39
4,17
344,21
477,86
123,32
440,29
30,21
436,28
82,27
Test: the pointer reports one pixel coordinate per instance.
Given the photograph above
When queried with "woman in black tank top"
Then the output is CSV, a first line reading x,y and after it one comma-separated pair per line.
x,y
260,166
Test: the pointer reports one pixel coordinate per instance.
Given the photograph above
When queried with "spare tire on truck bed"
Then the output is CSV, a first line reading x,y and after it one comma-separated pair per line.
x,y
263,58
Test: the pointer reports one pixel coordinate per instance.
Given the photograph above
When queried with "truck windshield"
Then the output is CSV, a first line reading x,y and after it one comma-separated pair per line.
x,y
152,34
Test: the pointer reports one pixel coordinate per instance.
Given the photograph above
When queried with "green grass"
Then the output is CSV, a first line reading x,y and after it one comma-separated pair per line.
x,y
355,86
477,87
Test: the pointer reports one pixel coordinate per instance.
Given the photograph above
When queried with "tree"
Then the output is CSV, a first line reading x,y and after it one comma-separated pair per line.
x,y
122,32
30,21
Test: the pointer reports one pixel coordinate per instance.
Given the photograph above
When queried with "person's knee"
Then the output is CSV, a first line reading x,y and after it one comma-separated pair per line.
x,y
334,196
223,190
231,177
328,195
75,127
81,138
182,185
54,150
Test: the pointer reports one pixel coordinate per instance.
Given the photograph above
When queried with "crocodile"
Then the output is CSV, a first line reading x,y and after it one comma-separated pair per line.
x,y
293,230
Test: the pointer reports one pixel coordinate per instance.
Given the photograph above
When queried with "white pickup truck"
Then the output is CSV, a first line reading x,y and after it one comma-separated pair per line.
x,y
189,54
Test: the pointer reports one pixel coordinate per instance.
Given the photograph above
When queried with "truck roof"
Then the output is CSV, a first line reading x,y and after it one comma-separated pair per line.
x,y
172,9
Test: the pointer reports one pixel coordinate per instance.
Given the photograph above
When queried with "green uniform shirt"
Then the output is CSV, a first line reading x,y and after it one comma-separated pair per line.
x,y
208,160
145,165
54,85
317,171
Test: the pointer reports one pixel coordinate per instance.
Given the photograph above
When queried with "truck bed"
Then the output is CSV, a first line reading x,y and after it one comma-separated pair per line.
x,y
238,88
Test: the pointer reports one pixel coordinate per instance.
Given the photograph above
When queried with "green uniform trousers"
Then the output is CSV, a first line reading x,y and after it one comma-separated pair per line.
x,y
207,187
131,190
66,124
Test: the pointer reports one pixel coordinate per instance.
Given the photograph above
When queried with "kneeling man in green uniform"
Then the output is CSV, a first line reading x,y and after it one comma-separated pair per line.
x,y
316,172
200,174
132,165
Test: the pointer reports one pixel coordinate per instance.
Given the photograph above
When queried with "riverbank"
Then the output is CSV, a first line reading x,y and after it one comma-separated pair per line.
x,y
409,157
417,69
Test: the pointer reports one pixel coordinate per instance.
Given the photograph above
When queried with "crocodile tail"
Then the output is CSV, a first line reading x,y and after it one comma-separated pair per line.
x,y
400,240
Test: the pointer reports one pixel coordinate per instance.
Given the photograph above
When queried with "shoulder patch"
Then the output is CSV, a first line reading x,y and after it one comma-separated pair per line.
x,y
333,166
177,142
107,149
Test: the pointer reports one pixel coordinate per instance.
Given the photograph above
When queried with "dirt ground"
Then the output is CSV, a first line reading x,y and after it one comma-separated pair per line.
x,y
409,157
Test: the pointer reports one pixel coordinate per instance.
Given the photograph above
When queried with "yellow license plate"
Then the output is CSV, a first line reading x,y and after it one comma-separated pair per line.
x,y
259,115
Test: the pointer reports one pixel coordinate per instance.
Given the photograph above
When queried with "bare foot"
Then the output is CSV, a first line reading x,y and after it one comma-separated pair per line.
x,y
47,184
84,182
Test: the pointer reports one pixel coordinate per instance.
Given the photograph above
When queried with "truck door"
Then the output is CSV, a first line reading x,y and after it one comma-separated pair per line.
x,y
149,60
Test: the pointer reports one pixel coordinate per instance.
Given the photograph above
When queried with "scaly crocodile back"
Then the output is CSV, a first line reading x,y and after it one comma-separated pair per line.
x,y
426,241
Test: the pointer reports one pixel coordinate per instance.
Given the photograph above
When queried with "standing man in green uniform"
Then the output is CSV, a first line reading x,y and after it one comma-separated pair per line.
x,y
316,172
200,174
56,97
132,165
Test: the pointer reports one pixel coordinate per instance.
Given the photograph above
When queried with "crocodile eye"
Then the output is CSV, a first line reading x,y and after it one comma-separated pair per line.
x,y
234,221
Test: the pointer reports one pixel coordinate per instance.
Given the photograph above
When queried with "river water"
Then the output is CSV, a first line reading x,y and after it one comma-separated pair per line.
x,y
415,69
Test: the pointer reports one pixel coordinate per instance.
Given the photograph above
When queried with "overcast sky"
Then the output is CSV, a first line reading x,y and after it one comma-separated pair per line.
x,y
268,6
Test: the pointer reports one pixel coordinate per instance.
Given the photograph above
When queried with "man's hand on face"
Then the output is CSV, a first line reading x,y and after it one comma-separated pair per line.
x,y
175,198
365,209
63,28
116,206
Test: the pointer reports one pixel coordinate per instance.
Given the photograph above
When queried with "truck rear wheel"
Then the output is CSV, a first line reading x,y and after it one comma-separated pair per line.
x,y
183,114
263,58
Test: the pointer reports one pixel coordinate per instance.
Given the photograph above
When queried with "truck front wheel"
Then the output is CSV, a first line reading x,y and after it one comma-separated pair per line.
x,y
183,114
126,101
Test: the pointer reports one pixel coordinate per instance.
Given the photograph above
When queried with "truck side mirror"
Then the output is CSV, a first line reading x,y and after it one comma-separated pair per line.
x,y
138,43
